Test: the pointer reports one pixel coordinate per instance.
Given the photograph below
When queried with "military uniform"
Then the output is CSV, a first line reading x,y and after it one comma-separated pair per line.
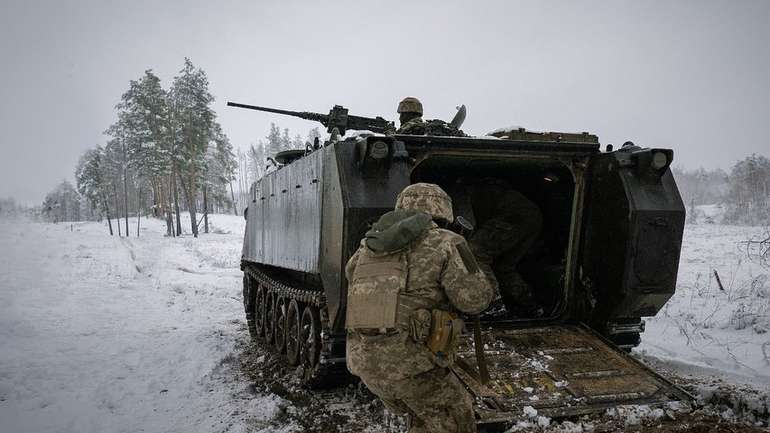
x,y
412,123
415,126
431,270
507,224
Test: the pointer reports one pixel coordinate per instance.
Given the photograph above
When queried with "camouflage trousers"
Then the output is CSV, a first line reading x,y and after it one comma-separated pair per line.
x,y
435,401
499,245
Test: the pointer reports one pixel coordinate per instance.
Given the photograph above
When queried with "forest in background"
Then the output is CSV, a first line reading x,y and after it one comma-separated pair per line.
x,y
744,192
166,154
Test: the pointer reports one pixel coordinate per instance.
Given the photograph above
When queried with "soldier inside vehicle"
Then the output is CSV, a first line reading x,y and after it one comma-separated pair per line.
x,y
521,211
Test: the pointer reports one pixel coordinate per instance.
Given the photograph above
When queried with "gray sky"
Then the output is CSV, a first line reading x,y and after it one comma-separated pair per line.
x,y
691,75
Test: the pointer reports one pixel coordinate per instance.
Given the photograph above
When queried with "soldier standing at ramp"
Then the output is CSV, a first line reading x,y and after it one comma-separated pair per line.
x,y
406,284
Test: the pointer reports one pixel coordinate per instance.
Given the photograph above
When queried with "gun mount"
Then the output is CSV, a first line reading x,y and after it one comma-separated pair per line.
x,y
338,118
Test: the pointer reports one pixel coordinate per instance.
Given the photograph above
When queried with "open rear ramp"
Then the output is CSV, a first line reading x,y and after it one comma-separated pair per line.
x,y
560,370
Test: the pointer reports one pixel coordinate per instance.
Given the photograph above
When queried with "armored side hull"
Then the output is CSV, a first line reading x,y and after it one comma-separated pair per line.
x,y
607,256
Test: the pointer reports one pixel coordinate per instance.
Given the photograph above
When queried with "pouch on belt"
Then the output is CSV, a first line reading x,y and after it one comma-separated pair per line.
x,y
444,337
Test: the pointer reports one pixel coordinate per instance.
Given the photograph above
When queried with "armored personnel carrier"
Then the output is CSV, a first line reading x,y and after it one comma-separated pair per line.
x,y
607,257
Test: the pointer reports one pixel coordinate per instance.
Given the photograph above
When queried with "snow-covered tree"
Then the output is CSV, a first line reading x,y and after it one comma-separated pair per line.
x,y
193,128
274,142
257,161
144,127
285,140
313,134
220,166
749,193
62,204
297,142
92,182
9,207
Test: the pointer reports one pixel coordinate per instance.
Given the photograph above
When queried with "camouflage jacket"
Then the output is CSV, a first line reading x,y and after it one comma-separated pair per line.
x,y
441,273
436,127
415,126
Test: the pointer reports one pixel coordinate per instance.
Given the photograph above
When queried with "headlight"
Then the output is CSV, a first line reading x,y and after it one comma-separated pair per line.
x,y
659,160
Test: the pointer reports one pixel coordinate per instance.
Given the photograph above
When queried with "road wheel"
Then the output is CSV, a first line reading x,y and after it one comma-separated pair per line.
x,y
269,318
259,312
280,324
293,327
310,336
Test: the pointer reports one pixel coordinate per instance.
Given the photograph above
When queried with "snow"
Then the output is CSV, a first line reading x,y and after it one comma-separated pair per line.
x,y
709,213
706,330
529,411
102,333
505,129
108,334
634,415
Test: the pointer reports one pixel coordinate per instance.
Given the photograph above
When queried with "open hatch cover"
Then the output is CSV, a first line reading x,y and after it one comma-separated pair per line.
x,y
560,370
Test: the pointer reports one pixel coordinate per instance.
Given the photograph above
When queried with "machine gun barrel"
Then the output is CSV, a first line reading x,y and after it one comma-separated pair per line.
x,y
318,117
338,118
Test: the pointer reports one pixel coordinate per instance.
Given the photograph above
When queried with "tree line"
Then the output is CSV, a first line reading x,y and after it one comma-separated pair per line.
x,y
9,208
166,154
257,160
744,191
165,142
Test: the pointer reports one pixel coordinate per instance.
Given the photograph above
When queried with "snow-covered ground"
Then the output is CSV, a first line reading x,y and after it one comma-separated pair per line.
x,y
705,329
108,334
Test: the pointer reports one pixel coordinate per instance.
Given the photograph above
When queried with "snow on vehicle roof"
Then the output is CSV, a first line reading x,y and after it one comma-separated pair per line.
x,y
506,129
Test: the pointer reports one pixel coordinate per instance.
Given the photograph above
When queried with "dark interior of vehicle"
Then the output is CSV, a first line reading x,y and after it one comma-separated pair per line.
x,y
548,184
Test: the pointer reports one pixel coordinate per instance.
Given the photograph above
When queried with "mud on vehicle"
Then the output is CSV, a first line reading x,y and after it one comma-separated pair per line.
x,y
607,256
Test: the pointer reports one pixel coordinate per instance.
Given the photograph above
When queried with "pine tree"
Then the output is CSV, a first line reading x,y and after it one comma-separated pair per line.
x,y
219,171
297,143
143,128
62,204
257,162
92,182
313,134
193,128
749,191
285,140
274,142
112,164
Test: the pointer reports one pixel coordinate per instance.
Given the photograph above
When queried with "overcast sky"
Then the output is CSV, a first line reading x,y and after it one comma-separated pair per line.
x,y
691,75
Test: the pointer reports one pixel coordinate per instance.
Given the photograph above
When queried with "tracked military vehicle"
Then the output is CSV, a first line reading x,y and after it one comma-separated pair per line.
x,y
607,257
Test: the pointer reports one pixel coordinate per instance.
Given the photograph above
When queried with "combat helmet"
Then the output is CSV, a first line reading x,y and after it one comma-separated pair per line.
x,y
427,197
410,105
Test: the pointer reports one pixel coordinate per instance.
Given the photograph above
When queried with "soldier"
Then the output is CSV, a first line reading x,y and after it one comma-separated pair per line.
x,y
507,224
410,116
407,282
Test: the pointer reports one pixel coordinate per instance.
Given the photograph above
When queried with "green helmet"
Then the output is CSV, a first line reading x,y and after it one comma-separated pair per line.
x,y
410,105
428,198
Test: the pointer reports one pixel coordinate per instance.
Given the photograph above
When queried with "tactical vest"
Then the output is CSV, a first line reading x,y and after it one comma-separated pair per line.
x,y
377,300
373,292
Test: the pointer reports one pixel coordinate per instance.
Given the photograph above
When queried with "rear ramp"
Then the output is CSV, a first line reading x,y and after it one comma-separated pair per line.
x,y
559,370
